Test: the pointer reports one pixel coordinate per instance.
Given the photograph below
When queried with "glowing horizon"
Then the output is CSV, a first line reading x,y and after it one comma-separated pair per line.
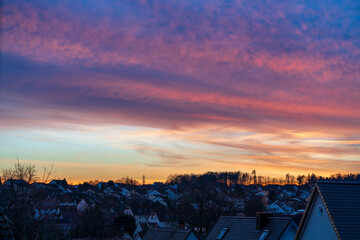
x,y
111,89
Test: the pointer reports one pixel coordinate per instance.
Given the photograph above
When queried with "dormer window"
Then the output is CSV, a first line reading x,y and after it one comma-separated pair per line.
x,y
222,233
264,234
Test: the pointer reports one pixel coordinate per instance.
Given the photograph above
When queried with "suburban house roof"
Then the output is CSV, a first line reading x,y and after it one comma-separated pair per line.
x,y
59,182
18,182
155,233
342,203
245,228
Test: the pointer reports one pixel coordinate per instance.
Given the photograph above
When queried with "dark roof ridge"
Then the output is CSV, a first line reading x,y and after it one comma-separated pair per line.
x,y
282,218
339,182
169,229
243,217
236,217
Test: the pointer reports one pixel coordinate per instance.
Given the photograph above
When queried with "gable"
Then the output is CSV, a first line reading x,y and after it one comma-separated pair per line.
x,y
290,232
317,226
342,200
192,236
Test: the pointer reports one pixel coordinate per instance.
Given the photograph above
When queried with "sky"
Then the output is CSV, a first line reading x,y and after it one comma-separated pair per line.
x,y
107,89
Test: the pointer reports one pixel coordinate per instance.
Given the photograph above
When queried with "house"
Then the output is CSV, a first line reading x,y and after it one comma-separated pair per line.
x,y
289,193
151,219
59,182
154,193
274,207
263,226
288,209
333,212
141,219
155,233
83,205
16,183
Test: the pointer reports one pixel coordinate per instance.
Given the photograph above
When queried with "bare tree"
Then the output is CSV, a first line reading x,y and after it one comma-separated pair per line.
x,y
47,174
19,208
21,171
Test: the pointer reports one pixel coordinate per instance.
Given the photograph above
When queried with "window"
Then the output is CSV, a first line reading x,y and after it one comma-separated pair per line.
x,y
264,234
320,210
222,233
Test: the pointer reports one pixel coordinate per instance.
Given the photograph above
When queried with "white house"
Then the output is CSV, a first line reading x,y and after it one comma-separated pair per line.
x,y
274,207
151,219
154,193
332,213
287,208
83,205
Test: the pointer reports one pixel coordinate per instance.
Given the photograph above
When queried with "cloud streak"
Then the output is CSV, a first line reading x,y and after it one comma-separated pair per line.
x,y
284,70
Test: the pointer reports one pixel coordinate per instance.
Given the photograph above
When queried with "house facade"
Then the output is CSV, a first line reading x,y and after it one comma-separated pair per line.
x,y
332,213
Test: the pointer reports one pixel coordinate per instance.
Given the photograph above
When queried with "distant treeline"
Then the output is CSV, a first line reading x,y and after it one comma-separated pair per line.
x,y
247,178
123,180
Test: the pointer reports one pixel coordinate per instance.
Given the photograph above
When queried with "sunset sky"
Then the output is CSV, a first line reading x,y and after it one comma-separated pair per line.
x,y
106,89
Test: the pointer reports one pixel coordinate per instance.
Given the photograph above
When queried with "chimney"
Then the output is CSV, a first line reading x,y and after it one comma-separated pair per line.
x,y
262,219
181,224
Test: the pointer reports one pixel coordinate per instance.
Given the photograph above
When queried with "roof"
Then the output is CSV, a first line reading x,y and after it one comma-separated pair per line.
x,y
144,228
342,203
19,182
245,228
59,182
155,233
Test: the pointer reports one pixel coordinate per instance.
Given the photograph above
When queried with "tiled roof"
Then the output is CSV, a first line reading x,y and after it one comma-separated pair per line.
x,y
342,200
245,228
166,234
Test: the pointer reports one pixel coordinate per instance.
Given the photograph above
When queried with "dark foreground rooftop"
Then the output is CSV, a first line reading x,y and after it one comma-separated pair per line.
x,y
246,228
155,233
342,200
